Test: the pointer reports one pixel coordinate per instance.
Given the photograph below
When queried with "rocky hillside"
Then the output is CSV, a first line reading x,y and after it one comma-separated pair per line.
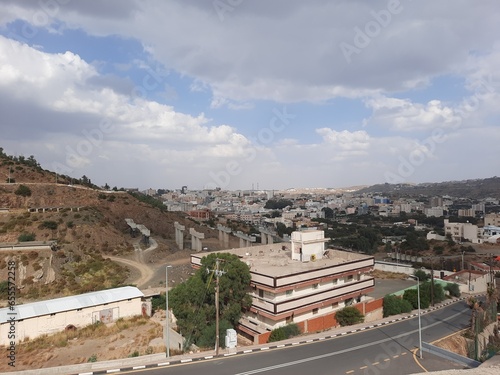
x,y
89,227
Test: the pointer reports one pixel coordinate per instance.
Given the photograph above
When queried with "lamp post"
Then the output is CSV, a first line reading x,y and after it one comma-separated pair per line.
x,y
419,321
167,328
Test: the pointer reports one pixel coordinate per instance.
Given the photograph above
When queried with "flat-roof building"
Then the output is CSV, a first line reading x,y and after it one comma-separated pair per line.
x,y
296,281
51,316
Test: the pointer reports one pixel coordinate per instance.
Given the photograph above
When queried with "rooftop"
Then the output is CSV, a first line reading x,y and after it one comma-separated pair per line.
x,y
275,259
53,306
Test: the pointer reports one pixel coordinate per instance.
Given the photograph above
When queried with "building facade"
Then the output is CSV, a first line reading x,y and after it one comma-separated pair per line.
x,y
294,282
48,317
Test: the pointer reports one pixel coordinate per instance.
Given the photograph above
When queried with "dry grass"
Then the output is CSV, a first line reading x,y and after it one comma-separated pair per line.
x,y
388,275
93,331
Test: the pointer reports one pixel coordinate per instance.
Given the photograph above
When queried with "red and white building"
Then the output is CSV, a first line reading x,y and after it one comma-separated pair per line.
x,y
299,281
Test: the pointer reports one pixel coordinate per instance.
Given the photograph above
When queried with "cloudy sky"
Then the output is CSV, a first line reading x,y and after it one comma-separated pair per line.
x,y
252,93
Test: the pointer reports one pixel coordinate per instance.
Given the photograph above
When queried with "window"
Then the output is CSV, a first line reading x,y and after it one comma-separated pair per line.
x,y
261,293
335,305
315,286
289,292
335,281
350,277
315,311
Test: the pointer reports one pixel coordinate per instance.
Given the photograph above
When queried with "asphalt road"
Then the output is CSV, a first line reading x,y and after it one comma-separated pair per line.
x,y
383,350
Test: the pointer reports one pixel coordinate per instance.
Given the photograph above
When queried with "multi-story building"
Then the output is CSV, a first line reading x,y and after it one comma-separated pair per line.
x,y
434,211
463,231
492,219
466,212
300,280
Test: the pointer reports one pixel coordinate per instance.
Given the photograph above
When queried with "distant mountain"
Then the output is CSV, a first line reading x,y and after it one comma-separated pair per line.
x,y
472,189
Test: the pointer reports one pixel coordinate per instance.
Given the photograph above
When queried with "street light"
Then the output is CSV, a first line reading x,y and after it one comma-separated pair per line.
x,y
419,321
167,328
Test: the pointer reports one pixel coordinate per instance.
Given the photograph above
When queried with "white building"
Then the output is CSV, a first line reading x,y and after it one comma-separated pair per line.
x,y
51,316
299,281
434,212
460,231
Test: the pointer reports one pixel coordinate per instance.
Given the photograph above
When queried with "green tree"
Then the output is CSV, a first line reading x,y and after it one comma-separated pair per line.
x,y
425,290
348,316
411,295
422,275
193,302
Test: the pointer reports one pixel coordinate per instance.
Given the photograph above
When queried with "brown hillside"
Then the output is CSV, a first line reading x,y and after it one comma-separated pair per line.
x,y
95,249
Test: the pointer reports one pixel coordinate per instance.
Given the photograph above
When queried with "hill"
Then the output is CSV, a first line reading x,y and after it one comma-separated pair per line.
x,y
472,189
95,248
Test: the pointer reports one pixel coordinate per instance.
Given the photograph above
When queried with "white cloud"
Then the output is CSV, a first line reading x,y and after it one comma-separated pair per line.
x,y
404,115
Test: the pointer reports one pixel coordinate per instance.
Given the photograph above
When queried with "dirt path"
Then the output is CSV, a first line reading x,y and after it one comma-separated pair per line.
x,y
146,272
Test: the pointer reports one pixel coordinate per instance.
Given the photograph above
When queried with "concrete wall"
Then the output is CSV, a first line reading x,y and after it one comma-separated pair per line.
x,y
371,309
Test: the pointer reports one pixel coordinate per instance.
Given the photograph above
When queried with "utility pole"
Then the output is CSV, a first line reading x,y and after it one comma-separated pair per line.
x,y
432,281
218,273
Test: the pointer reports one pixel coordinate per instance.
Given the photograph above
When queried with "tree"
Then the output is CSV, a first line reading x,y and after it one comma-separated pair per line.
x,y
425,290
106,186
23,191
328,212
193,302
422,275
348,316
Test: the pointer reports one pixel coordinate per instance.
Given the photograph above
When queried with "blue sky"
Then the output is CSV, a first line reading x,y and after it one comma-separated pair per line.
x,y
234,94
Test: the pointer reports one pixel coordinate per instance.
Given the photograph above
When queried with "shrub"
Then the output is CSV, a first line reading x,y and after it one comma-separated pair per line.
x,y
453,289
394,305
349,316
285,332
25,237
49,224
23,191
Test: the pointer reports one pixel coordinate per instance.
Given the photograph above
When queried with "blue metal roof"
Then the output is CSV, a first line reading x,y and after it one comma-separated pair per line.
x,y
57,305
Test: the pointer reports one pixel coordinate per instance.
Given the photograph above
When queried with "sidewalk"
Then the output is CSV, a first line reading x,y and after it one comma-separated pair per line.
x,y
160,360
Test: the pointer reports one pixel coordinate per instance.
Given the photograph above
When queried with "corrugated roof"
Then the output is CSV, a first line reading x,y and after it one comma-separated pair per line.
x,y
54,306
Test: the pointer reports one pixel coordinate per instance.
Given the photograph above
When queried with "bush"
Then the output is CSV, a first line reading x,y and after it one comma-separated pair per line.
x,y
49,224
349,316
453,290
411,296
394,305
283,333
25,237
23,191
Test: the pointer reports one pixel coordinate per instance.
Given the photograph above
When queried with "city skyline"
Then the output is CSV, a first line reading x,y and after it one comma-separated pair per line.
x,y
235,94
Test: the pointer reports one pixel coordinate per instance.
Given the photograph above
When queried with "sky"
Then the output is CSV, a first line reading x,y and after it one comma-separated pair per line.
x,y
252,94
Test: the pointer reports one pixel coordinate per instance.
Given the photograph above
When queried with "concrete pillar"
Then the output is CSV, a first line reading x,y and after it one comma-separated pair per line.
x,y
179,235
270,239
196,238
263,238
224,235
245,241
